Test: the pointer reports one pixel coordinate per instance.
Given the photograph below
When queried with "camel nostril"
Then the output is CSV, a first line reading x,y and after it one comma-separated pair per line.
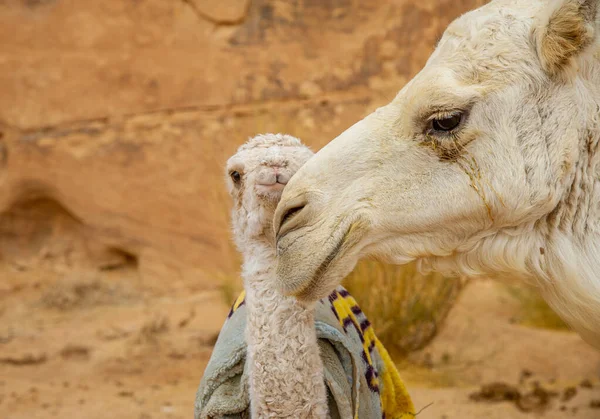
x,y
287,216
290,213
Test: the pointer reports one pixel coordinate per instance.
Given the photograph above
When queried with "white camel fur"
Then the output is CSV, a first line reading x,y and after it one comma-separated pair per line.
x,y
285,369
486,163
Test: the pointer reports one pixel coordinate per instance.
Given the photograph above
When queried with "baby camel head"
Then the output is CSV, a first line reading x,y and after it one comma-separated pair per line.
x,y
256,176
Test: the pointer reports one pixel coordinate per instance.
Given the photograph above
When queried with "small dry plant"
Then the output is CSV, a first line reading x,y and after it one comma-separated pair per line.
x,y
533,309
405,307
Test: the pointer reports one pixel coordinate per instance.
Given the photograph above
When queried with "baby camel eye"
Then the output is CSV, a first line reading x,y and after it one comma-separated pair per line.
x,y
235,176
447,124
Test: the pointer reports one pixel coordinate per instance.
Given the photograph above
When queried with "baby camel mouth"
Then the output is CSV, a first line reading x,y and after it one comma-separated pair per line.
x,y
271,192
271,187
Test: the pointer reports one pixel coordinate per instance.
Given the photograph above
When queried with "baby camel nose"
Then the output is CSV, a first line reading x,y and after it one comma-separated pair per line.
x,y
273,175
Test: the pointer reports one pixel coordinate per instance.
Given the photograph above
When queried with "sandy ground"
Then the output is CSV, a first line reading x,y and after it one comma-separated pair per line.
x,y
97,346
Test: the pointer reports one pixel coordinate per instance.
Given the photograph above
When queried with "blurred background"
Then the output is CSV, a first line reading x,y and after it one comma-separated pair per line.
x,y
116,263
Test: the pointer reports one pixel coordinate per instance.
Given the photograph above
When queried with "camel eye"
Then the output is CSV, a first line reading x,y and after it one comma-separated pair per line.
x,y
236,177
446,124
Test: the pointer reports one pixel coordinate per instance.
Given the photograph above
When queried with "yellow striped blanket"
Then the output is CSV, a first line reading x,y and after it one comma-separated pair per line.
x,y
346,339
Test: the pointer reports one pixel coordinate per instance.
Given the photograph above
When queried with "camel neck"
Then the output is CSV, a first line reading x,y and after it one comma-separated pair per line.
x,y
286,372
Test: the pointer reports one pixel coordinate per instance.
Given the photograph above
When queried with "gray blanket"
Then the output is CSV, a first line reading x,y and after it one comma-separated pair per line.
x,y
361,379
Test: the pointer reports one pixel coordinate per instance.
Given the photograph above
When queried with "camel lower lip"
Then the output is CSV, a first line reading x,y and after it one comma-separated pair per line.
x,y
322,269
270,188
310,272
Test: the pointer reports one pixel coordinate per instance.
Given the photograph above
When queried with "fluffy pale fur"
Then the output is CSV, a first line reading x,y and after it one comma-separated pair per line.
x,y
513,191
563,30
285,368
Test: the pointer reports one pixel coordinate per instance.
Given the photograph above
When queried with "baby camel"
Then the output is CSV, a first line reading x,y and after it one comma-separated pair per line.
x,y
285,369
276,357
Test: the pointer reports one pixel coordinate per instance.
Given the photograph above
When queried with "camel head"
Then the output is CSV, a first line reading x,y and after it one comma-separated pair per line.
x,y
256,176
470,164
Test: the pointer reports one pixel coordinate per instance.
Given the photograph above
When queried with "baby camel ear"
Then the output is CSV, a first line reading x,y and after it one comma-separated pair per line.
x,y
564,29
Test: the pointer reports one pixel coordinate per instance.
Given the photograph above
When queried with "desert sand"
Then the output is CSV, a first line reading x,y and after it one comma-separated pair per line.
x,y
101,343
115,260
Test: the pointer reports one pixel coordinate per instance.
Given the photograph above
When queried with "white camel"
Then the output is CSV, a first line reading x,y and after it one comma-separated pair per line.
x,y
285,368
486,163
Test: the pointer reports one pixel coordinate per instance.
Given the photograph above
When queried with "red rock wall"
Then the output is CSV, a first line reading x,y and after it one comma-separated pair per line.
x,y
124,111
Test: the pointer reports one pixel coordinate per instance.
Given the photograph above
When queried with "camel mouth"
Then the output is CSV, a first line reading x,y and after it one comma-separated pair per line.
x,y
326,276
305,292
268,188
271,192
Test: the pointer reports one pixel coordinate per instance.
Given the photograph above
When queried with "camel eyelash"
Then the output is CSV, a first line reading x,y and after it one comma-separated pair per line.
x,y
445,124
444,114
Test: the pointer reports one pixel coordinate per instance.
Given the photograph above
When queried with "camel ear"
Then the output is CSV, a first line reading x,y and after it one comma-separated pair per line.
x,y
564,30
